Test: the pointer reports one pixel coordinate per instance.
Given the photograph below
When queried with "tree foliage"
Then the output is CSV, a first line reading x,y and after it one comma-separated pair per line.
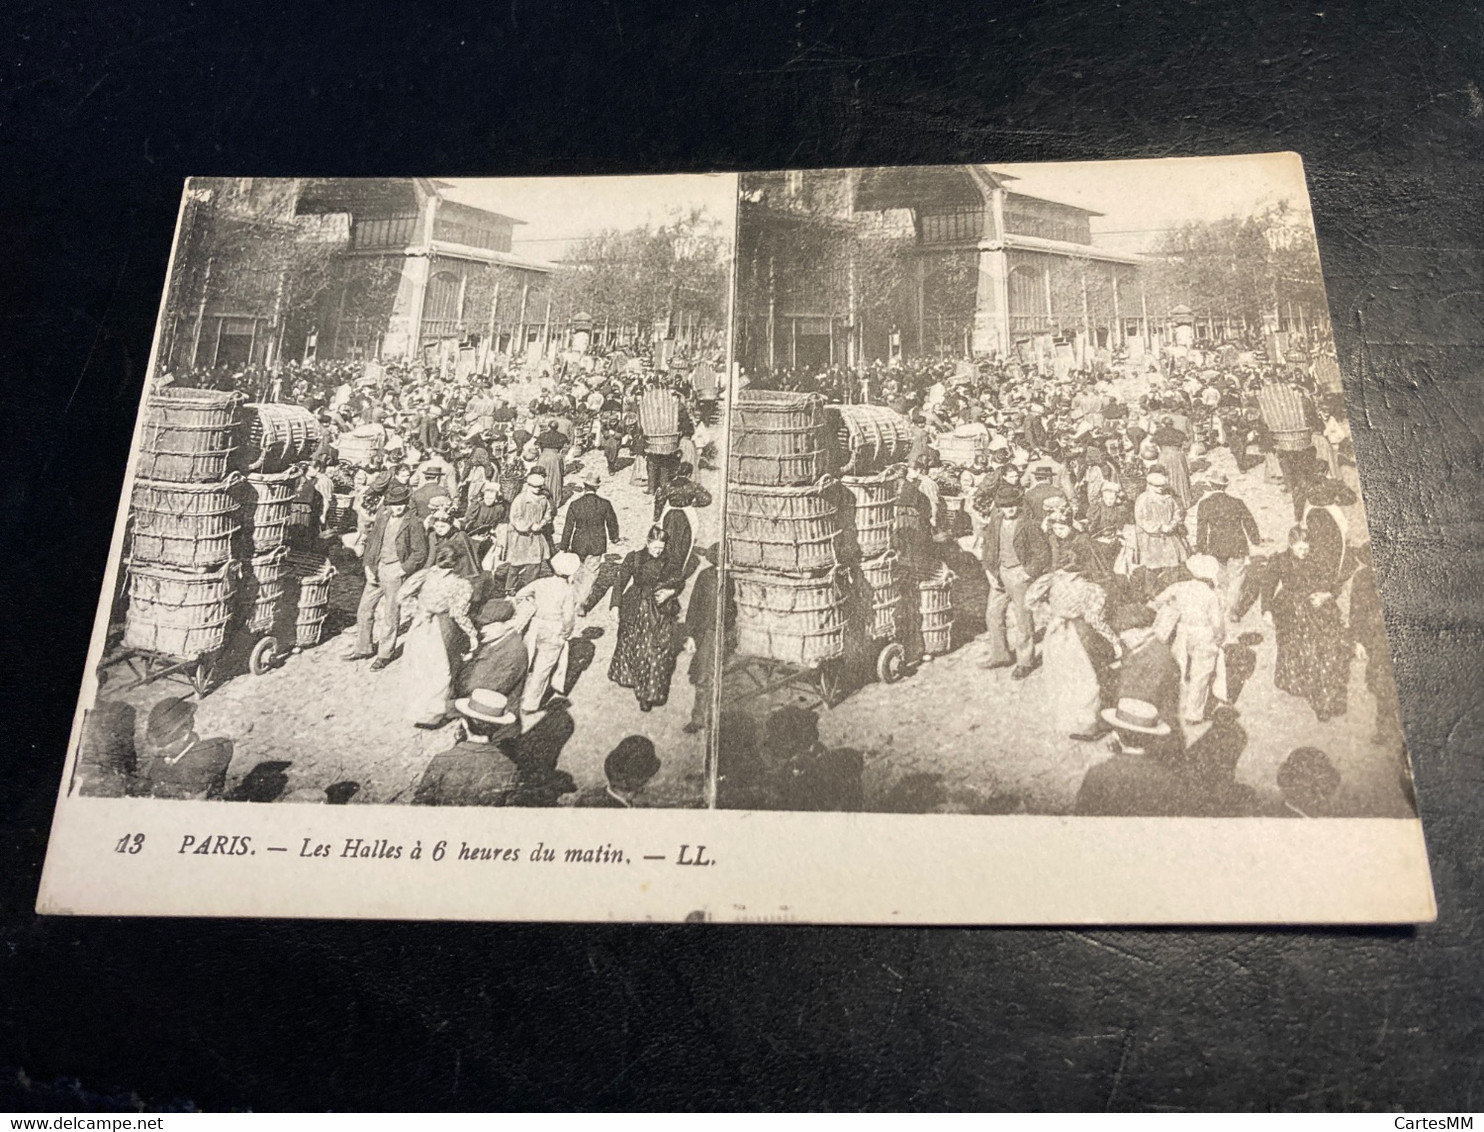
x,y
650,274
1246,268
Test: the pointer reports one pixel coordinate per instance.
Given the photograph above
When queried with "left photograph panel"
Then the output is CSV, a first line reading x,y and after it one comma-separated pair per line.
x,y
423,499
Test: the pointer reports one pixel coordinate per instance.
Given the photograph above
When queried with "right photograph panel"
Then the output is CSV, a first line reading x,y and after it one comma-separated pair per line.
x,y
1040,499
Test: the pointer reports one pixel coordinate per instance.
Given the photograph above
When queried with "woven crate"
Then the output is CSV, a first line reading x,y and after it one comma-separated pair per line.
x,y
793,620
268,504
961,450
788,529
868,438
310,576
1282,408
187,525
189,435
778,439
179,613
278,436
362,446
884,587
659,418
935,604
263,584
871,515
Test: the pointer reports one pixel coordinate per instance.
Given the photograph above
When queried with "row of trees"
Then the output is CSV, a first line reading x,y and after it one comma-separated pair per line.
x,y
1247,270
667,275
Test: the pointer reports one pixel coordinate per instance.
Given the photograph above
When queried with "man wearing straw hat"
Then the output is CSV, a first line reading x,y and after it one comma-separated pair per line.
x,y
477,770
1135,782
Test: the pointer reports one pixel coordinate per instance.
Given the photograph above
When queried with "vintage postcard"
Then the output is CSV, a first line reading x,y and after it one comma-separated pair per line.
x,y
939,544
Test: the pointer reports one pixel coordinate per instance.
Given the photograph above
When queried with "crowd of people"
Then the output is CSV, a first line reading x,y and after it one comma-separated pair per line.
x,y
476,507
1119,564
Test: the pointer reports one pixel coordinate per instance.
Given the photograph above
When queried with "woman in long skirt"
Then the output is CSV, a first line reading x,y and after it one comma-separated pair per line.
x,y
429,660
1071,607
644,651
1314,648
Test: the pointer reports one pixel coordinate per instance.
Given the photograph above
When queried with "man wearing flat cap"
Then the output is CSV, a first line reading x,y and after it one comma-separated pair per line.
x,y
1015,552
1159,531
396,547
529,545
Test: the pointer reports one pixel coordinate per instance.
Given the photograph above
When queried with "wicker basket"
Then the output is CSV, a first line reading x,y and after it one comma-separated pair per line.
x,y
189,435
778,439
868,438
659,418
872,518
362,446
310,574
186,525
935,603
278,436
342,516
1282,409
794,620
790,529
179,613
880,575
268,503
961,450
263,586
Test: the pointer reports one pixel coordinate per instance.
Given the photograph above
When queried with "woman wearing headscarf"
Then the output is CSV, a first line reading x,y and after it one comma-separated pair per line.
x,y
644,595
428,658
676,513
1314,647
481,470
551,444
1070,604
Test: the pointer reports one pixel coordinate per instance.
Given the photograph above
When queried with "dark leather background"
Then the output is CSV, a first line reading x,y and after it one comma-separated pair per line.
x,y
104,108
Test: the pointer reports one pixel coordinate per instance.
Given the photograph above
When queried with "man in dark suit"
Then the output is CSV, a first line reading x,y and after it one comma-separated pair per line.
x,y
591,522
1226,530
1015,553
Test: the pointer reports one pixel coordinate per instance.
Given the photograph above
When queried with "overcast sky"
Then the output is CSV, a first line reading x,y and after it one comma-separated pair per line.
x,y
1141,197
560,210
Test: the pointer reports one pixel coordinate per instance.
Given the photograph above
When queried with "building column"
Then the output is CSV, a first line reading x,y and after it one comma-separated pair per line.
x,y
404,328
992,302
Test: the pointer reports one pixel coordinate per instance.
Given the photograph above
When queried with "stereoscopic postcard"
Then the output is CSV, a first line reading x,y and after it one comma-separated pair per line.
x,y
938,544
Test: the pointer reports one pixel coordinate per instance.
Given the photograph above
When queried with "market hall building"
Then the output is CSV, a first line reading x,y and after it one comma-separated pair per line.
x,y
844,266
271,270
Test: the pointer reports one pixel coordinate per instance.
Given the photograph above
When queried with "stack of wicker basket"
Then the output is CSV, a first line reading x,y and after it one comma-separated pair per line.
x,y
184,515
872,444
782,524
276,439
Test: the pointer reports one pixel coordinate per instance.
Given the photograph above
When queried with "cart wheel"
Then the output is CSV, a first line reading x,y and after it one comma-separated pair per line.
x,y
263,654
891,665
203,676
831,682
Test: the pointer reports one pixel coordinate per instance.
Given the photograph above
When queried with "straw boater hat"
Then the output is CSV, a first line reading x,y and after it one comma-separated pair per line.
x,y
485,705
565,564
1136,715
535,476
1157,479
